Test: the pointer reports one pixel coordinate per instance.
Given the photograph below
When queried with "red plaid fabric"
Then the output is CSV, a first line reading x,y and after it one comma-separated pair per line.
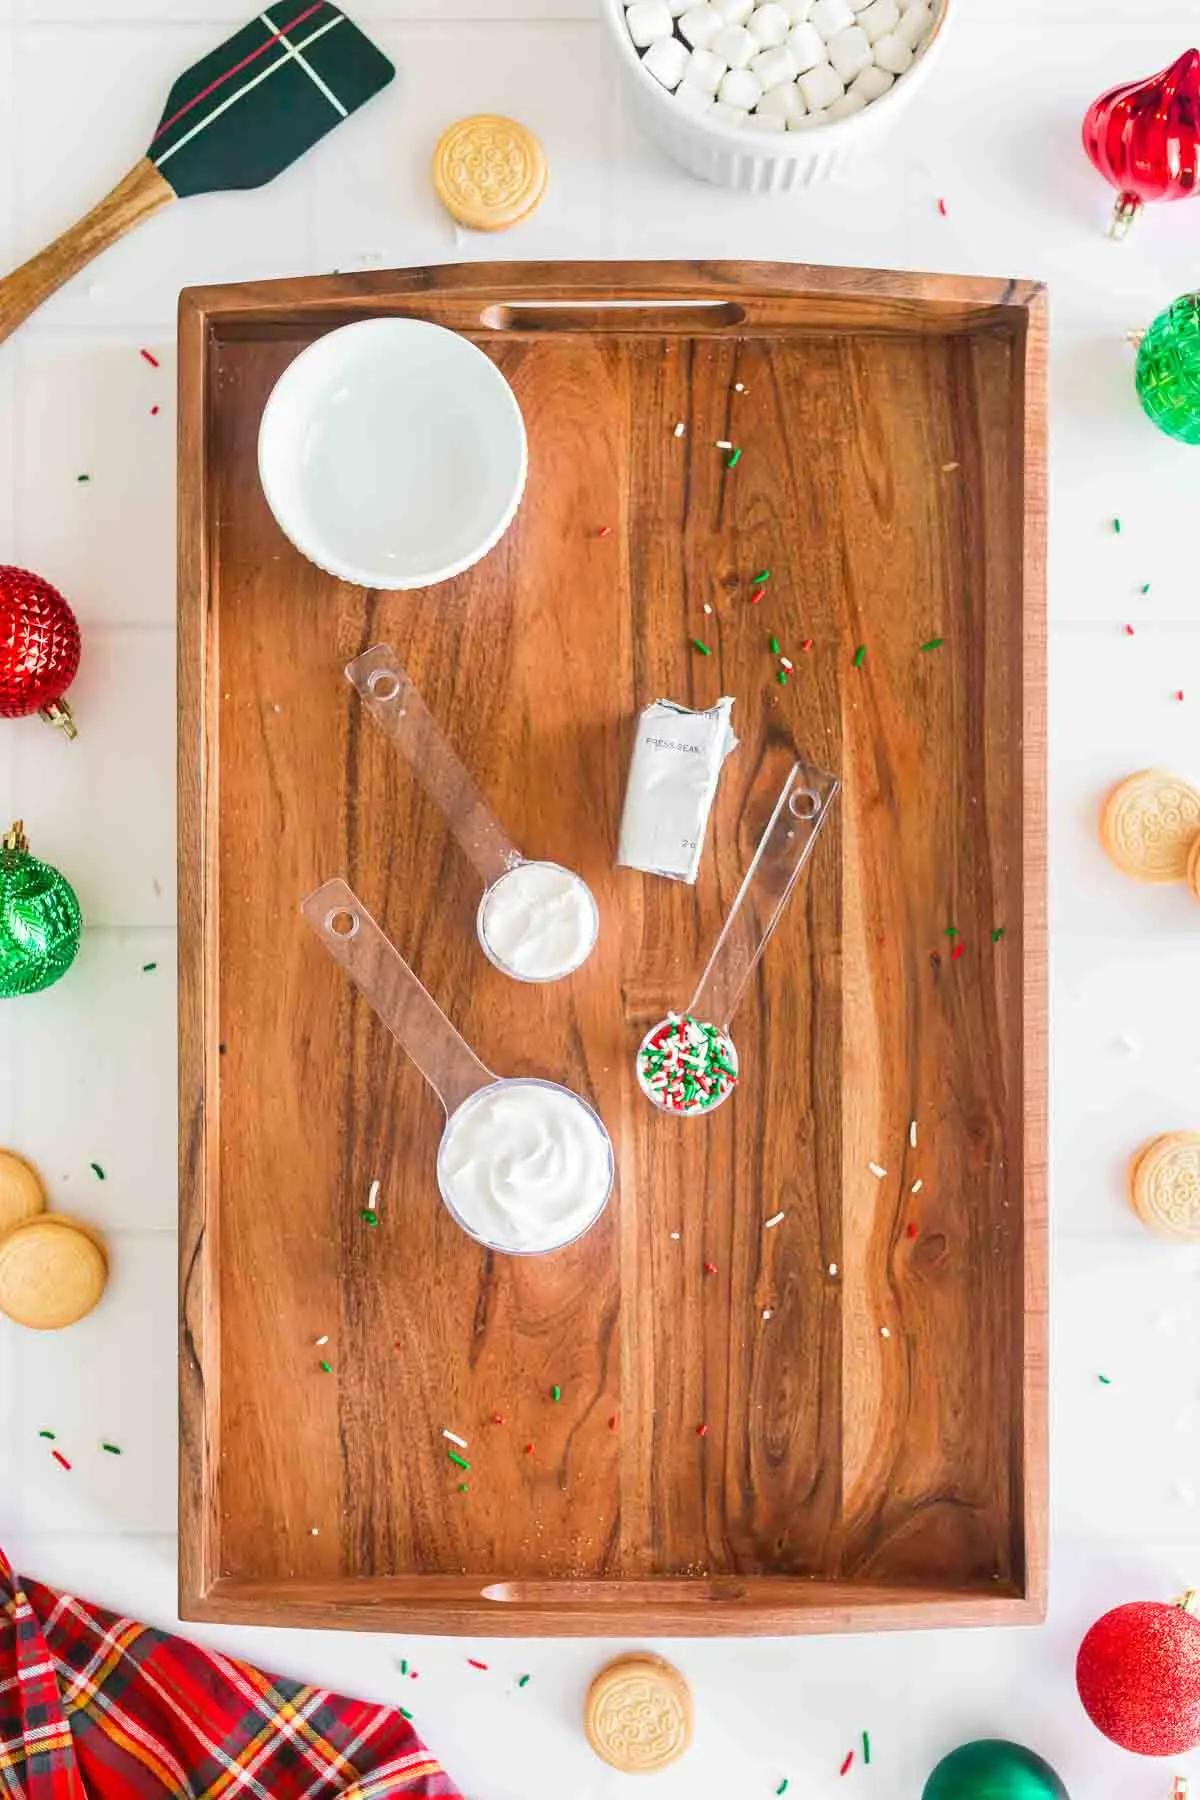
x,y
93,1707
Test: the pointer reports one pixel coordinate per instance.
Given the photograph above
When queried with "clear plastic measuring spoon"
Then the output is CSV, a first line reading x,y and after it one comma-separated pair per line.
x,y
687,1064
524,1166
536,921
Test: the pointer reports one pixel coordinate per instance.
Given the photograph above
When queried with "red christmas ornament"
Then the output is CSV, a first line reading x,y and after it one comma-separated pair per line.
x,y
1138,1675
39,649
1144,137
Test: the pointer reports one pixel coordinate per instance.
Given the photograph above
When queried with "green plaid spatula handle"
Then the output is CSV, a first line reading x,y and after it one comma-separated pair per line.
x,y
235,119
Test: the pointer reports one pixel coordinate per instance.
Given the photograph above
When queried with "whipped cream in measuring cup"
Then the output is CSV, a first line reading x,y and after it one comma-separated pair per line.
x,y
539,922
525,1166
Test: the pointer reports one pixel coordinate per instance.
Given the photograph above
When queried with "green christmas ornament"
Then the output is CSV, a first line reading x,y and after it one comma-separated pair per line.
x,y
993,1769
39,919
1168,370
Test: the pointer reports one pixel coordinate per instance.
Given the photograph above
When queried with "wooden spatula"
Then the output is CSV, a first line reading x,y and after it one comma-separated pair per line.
x,y
235,119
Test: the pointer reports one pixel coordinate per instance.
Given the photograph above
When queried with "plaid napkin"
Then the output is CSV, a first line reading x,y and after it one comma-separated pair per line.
x,y
93,1707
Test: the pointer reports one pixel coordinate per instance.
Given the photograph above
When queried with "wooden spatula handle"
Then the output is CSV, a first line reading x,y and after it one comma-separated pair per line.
x,y
142,192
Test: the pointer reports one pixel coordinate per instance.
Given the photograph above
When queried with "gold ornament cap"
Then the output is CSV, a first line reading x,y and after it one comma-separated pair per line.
x,y
489,172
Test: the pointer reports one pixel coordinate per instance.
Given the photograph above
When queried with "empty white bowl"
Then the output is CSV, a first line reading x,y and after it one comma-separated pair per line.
x,y
392,453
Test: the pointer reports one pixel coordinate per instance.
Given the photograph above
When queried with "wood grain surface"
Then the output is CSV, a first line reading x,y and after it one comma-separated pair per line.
x,y
875,1447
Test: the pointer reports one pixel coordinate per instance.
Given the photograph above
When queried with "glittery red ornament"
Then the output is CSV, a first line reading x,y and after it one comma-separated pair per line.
x,y
39,649
1138,1675
1144,137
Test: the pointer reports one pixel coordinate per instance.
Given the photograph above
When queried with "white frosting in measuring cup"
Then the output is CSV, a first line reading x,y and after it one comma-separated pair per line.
x,y
525,1165
538,922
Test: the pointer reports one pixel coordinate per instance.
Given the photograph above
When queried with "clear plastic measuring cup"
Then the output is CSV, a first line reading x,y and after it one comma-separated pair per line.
x,y
524,1166
536,921
687,1064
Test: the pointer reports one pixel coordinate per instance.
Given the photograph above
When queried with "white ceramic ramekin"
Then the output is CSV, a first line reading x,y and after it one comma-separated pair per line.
x,y
761,162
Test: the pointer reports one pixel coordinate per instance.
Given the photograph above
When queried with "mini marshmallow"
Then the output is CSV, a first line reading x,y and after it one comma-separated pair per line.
x,y
700,25
821,87
808,121
849,103
764,122
773,67
693,99
798,11
676,7
648,20
831,16
734,12
666,60
849,52
893,54
740,88
914,25
879,18
768,25
729,115
734,45
704,70
783,102
872,84
805,47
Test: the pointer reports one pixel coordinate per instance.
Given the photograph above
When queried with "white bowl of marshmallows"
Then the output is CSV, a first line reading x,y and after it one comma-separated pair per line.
x,y
772,94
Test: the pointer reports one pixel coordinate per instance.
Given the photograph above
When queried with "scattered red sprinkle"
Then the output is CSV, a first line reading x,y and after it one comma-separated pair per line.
x,y
497,1418
604,531
710,1268
529,1449
958,950
396,1344
412,1675
1179,693
612,1423
912,1230
472,1664
1129,631
942,210
757,595
60,1458
807,644
845,1766
702,1431
149,356
153,411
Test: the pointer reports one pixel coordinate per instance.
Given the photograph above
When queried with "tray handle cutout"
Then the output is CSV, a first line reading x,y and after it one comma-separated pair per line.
x,y
682,316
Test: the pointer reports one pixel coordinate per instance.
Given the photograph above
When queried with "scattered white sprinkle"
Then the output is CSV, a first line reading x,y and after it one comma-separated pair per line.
x,y
1186,1491
916,1187
739,387
833,1268
1126,1044
876,1171
373,1196
707,607
884,1332
912,1134
314,1531
680,429
675,1237
775,1219
322,1341
455,1439
724,444
766,1312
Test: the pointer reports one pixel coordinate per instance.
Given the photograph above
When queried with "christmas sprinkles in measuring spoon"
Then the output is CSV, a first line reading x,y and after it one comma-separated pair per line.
x,y
687,1066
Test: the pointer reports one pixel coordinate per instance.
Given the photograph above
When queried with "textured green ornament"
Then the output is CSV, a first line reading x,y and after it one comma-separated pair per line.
x,y
39,920
1168,370
992,1769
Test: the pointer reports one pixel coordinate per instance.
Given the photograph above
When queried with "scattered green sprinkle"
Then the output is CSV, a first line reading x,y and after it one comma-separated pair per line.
x,y
1104,1380
463,1488
556,1392
933,644
83,478
98,1172
860,656
781,678
523,1681
866,1746
404,1665
763,575
952,931
1117,526
147,967
734,460
368,1217
783,1786
459,1461
111,1448
997,934
704,649
1145,587
404,1712
774,646
47,1434
327,1368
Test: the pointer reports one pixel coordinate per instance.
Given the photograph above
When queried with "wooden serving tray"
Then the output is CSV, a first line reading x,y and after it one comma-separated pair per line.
x,y
875,1452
